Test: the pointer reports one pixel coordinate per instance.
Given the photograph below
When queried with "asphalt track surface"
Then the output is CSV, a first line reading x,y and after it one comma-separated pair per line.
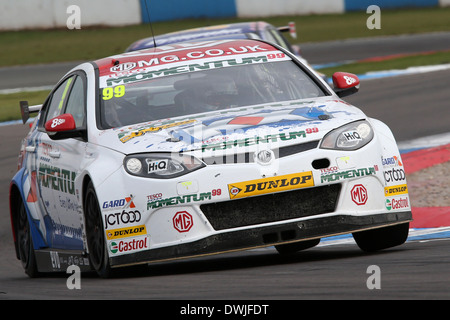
x,y
413,106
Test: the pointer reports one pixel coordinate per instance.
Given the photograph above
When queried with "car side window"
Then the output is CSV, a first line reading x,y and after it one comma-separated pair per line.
x,y
69,97
76,102
56,104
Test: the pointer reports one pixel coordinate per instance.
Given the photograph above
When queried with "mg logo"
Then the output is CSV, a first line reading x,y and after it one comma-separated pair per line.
x,y
359,194
182,221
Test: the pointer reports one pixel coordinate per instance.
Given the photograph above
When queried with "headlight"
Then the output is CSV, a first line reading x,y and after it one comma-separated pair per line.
x,y
161,165
352,136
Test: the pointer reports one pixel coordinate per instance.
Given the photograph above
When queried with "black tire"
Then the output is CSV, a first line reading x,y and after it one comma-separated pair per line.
x,y
291,248
98,254
382,238
25,242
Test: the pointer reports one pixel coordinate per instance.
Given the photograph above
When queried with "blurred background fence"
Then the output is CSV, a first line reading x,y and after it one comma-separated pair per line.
x,y
48,14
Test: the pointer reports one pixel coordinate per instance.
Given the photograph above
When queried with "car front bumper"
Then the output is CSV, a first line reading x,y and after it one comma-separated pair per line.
x,y
265,236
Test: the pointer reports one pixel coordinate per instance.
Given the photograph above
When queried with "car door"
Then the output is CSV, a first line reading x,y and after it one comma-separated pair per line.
x,y
59,162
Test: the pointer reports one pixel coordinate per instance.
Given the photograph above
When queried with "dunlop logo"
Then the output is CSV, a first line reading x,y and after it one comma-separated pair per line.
x,y
272,184
126,232
395,190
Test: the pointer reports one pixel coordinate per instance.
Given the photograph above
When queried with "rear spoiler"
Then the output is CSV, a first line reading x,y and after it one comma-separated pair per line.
x,y
26,110
290,28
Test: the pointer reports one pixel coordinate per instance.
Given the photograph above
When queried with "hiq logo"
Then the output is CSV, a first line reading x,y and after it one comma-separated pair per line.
x,y
155,166
351,135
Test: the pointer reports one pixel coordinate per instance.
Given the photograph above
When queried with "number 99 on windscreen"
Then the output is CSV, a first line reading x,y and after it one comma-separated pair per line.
x,y
109,92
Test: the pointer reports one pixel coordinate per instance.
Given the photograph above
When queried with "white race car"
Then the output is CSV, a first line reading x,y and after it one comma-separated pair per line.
x,y
200,148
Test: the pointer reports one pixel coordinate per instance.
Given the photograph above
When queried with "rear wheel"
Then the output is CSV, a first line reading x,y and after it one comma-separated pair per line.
x,y
25,242
95,234
291,248
382,238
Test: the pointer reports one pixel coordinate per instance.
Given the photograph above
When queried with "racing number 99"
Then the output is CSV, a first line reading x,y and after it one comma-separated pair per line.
x,y
118,91
277,55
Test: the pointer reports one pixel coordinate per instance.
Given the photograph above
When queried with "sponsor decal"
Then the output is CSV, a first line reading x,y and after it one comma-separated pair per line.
x,y
57,179
155,196
129,245
329,170
391,161
352,135
180,69
124,203
251,141
178,199
394,175
335,176
182,221
395,190
140,132
126,232
143,64
121,218
157,165
397,203
56,122
388,204
359,194
123,67
272,184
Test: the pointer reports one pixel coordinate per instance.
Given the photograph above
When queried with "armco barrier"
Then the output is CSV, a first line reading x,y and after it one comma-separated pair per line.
x,y
26,14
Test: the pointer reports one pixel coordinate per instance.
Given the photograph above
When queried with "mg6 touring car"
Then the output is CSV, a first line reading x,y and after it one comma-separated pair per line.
x,y
200,148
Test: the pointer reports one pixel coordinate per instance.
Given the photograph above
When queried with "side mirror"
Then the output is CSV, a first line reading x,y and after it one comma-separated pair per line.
x,y
63,127
345,83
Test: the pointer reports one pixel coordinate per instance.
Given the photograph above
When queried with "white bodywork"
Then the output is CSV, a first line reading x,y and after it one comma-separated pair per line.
x,y
142,214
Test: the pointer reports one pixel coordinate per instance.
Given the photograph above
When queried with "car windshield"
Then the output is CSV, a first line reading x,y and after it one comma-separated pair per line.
x,y
161,97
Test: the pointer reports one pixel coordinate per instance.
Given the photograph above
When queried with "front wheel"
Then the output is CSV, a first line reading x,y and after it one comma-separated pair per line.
x,y
382,238
95,234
